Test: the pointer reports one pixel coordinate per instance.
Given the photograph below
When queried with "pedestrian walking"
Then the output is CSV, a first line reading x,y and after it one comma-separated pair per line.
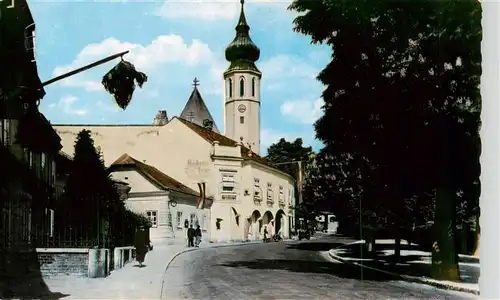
x,y
141,244
197,236
190,236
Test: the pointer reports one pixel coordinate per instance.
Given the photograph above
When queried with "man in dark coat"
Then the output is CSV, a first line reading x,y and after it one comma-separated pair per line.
x,y
190,236
141,244
197,236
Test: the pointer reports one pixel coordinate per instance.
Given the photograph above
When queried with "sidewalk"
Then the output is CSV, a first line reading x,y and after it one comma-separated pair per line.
x,y
129,282
414,264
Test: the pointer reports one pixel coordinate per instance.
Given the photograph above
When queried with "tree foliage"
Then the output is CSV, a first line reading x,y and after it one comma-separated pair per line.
x,y
286,155
402,101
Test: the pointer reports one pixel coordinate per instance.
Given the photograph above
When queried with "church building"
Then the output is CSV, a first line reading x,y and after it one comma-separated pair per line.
x,y
238,192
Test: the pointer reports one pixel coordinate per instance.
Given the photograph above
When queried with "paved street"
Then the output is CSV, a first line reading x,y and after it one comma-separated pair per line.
x,y
291,270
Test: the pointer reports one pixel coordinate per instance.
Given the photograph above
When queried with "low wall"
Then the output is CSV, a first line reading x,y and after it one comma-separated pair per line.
x,y
91,263
63,261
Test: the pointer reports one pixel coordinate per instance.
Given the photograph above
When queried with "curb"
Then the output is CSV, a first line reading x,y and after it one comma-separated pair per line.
x,y
406,277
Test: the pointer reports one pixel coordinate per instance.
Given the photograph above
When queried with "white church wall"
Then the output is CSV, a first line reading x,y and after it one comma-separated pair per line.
x,y
173,149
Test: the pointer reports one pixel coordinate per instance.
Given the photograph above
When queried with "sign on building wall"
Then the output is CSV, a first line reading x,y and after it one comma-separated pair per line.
x,y
197,170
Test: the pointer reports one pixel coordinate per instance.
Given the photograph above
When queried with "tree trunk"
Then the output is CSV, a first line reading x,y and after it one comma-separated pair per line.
x,y
444,257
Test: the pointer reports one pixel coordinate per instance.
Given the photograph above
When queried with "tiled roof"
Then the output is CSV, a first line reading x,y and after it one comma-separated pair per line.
x,y
154,175
212,136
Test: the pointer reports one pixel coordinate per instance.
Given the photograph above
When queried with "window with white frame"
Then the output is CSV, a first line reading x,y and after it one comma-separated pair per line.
x,y
5,126
269,191
192,220
29,40
256,182
227,183
179,219
153,217
53,171
282,193
256,190
43,159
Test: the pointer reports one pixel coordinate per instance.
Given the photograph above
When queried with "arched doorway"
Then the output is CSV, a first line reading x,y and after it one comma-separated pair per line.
x,y
280,222
255,223
268,220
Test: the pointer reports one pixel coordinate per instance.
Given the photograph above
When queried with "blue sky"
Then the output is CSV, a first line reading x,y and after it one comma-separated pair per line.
x,y
173,42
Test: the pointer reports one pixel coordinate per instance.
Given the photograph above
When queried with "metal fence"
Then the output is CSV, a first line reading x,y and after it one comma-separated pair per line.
x,y
67,226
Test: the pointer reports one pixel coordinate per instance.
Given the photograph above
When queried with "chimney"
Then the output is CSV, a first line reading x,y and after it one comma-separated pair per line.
x,y
161,118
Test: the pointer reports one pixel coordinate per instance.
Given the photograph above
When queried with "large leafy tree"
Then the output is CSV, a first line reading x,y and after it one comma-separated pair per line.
x,y
402,94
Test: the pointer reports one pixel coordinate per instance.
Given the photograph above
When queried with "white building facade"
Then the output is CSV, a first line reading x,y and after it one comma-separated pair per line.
x,y
245,191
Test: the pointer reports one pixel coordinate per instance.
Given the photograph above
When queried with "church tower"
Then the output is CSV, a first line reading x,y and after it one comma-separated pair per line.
x,y
242,88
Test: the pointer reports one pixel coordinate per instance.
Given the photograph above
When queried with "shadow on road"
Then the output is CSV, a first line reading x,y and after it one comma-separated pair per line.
x,y
318,267
314,246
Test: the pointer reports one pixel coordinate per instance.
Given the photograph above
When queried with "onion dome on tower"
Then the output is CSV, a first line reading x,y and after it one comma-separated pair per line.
x,y
242,53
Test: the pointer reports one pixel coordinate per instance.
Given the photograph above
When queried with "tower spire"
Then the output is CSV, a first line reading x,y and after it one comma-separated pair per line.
x,y
242,49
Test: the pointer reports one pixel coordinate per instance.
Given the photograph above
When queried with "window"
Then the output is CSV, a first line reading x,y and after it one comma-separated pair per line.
x,y
242,87
282,193
193,220
179,219
28,156
29,40
242,119
256,182
230,86
4,124
227,183
253,87
53,170
42,160
269,191
153,217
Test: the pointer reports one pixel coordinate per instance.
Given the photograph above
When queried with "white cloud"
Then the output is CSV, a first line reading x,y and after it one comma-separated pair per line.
x,y
162,50
280,69
303,111
66,105
207,10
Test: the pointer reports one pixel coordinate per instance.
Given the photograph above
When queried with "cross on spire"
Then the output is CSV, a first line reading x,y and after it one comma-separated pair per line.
x,y
196,82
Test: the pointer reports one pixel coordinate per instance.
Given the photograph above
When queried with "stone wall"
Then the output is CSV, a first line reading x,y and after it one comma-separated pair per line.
x,y
63,261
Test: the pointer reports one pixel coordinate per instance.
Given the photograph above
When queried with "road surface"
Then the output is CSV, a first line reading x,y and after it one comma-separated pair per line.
x,y
285,270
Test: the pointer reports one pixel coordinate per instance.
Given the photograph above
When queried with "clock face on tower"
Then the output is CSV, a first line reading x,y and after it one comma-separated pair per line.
x,y
242,108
